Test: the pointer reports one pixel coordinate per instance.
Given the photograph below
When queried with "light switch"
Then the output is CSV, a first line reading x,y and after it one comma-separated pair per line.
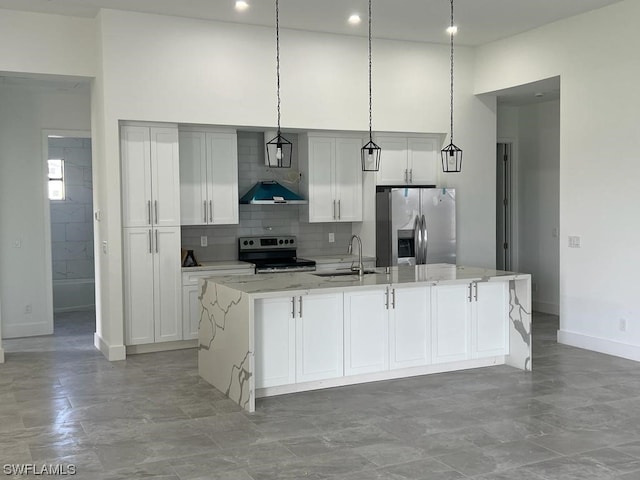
x,y
204,241
332,237
574,241
104,247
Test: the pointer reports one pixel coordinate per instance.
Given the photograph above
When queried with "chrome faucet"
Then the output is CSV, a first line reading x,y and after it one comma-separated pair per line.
x,y
360,265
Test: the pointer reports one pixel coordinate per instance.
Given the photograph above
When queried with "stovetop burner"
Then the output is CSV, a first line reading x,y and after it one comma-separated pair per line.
x,y
273,254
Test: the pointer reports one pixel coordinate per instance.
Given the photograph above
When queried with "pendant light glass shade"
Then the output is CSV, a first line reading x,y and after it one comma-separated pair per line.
x,y
279,149
451,154
370,153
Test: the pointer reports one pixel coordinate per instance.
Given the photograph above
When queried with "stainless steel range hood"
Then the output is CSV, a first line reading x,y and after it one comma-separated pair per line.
x,y
271,193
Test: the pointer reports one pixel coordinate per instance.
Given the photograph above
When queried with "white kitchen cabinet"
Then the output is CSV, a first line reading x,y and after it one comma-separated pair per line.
x,y
490,319
408,160
275,342
208,177
366,331
469,321
409,327
152,285
191,307
332,177
150,176
298,339
319,337
451,322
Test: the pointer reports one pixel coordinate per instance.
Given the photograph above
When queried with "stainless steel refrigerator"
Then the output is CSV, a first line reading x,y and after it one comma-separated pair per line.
x,y
415,226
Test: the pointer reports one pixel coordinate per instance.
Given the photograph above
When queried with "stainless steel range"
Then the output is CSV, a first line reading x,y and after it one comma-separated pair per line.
x,y
273,254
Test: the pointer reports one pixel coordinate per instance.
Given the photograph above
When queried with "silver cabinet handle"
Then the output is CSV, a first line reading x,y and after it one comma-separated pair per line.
x,y
149,212
150,242
475,287
386,298
469,297
210,211
300,306
339,210
156,241
205,211
293,307
411,175
334,209
393,298
406,177
155,204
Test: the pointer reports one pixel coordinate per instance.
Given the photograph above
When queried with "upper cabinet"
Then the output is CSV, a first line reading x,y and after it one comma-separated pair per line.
x,y
332,176
150,176
208,177
408,160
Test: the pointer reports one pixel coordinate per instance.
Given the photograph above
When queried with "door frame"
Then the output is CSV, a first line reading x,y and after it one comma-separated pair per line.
x,y
515,225
47,217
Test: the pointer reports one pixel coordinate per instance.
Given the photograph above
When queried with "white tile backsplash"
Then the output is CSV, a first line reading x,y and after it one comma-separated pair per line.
x,y
265,219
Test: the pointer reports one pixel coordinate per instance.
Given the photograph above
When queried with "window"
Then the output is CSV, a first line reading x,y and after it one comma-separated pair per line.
x,y
56,179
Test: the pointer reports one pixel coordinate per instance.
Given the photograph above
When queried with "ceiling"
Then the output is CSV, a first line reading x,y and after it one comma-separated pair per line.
x,y
479,21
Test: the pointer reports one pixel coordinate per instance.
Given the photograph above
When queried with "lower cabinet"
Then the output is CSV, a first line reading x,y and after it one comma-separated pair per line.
x,y
298,339
469,321
366,331
410,327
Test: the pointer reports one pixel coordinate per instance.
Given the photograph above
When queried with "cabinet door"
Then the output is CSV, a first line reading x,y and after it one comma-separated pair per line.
x,y
168,284
138,285
165,182
423,156
393,161
348,179
319,337
366,332
489,327
322,201
222,178
450,321
275,336
135,151
191,311
193,172
409,327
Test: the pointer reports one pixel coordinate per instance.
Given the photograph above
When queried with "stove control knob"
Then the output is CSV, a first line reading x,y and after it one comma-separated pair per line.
x,y
286,241
246,243
291,241
250,242
280,241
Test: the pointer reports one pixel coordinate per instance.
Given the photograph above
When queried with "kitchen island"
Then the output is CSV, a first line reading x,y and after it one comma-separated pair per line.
x,y
262,335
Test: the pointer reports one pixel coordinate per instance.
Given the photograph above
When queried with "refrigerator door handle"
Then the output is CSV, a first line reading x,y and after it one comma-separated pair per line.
x,y
417,240
425,239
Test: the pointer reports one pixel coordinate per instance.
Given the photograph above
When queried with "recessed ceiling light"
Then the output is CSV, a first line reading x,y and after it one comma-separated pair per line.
x,y
241,5
452,30
354,19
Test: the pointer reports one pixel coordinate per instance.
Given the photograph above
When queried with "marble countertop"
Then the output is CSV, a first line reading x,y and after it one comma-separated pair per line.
x,y
274,284
222,265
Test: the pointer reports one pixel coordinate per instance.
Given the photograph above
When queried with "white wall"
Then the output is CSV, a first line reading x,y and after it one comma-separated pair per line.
x,y
535,132
24,216
595,56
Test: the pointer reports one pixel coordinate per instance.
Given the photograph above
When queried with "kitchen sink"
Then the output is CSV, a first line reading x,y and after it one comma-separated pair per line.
x,y
342,273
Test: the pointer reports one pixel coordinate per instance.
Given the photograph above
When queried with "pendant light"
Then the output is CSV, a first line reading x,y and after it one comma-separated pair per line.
x,y
451,155
279,149
370,153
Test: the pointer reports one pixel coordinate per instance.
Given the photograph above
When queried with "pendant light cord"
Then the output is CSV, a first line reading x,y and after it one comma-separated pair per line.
x,y
278,60
370,116
451,97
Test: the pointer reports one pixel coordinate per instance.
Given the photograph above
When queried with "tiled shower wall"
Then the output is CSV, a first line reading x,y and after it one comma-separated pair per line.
x,y
265,219
72,218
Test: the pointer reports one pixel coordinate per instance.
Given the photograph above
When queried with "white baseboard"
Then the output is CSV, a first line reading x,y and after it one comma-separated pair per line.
x,y
602,345
161,347
546,307
75,308
113,353
33,329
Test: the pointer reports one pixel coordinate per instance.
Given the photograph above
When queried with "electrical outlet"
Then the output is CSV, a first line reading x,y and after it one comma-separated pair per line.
x,y
104,247
27,309
574,241
204,241
332,237
17,243
623,324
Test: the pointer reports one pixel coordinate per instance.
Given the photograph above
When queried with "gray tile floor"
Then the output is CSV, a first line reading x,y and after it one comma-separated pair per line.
x,y
576,417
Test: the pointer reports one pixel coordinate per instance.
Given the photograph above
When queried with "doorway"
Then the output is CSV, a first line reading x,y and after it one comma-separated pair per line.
x,y
70,194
